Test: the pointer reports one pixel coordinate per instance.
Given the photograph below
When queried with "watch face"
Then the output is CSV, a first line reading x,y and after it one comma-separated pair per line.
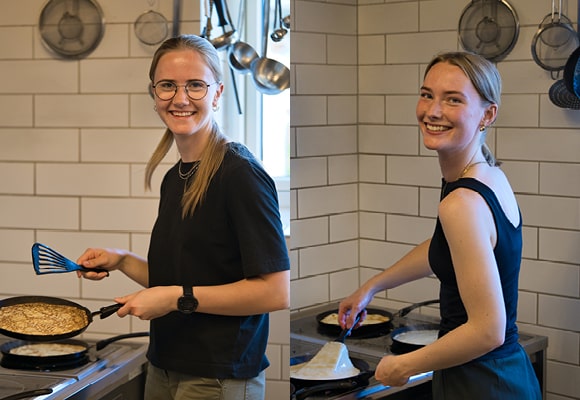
x,y
187,304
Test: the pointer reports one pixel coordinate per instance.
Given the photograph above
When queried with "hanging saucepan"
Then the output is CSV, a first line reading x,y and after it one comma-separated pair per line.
x,y
151,27
53,356
42,318
270,76
328,321
308,387
489,28
71,28
554,41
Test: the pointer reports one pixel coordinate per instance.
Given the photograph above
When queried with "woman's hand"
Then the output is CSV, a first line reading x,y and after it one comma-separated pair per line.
x,y
389,373
353,305
148,304
107,259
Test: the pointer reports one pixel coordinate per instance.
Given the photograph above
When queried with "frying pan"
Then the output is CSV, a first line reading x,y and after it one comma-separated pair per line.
x,y
371,330
363,331
103,312
402,346
308,387
57,362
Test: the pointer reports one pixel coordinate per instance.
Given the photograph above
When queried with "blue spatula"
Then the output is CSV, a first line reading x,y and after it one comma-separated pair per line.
x,y
49,261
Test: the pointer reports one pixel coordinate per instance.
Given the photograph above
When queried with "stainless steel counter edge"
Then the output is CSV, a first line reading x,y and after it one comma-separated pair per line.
x,y
102,380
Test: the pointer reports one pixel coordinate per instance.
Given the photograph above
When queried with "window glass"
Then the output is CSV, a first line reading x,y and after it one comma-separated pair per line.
x,y
261,121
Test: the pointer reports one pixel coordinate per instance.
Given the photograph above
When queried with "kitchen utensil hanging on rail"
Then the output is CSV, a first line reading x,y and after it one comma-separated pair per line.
x,y
554,41
71,28
489,28
270,76
151,27
225,39
241,54
565,93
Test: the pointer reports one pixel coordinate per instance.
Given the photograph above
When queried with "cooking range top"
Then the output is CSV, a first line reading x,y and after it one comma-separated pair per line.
x,y
113,365
306,339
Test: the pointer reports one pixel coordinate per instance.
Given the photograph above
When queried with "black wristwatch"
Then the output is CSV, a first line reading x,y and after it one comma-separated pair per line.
x,y
187,303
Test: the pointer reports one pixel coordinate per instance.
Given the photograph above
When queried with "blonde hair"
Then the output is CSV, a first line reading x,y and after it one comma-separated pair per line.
x,y
216,147
486,80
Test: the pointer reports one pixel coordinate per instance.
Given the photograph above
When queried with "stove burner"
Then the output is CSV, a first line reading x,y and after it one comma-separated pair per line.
x,y
368,334
44,365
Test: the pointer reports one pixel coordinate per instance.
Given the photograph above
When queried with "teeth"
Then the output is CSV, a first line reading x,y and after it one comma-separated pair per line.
x,y
182,113
436,127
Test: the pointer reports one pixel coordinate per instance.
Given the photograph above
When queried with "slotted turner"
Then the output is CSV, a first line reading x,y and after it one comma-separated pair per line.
x,y
49,261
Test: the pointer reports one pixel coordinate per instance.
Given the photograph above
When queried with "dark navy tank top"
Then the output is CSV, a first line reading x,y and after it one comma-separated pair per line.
x,y
508,255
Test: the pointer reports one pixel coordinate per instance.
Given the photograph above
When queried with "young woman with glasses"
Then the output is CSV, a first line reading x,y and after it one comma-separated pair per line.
x,y
217,262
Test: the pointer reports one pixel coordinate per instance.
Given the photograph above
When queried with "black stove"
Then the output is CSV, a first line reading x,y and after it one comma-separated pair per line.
x,y
306,339
107,370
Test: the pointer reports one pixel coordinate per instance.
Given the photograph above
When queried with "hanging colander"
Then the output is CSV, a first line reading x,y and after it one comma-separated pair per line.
x,y
71,28
489,28
554,41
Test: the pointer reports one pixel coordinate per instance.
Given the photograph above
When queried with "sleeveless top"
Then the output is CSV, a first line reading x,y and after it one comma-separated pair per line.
x,y
508,255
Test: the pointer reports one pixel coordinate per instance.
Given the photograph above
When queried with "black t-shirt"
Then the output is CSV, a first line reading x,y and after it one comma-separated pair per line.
x,y
235,233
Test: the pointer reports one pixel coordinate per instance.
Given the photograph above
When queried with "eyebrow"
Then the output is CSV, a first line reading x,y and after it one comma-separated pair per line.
x,y
448,92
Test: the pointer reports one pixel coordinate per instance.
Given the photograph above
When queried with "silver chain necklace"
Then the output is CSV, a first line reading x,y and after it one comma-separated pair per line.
x,y
185,176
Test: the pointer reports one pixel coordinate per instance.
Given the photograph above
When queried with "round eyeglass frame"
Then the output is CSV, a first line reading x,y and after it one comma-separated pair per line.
x,y
207,85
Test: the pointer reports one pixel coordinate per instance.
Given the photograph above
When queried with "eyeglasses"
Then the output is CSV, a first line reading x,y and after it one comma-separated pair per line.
x,y
195,89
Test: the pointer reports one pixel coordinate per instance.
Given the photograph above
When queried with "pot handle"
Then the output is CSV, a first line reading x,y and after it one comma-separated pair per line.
x,y
105,342
305,392
404,311
27,394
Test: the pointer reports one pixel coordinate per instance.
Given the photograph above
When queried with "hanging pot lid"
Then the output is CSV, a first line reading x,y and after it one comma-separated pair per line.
x,y
71,28
489,28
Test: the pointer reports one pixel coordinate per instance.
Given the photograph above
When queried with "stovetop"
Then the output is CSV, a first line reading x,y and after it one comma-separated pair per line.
x,y
306,339
119,357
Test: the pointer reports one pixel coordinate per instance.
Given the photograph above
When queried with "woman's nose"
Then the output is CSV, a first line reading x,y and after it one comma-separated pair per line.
x,y
434,108
181,95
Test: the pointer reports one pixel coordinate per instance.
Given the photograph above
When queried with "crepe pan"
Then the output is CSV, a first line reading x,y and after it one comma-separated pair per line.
x,y
103,312
308,387
85,354
400,346
371,330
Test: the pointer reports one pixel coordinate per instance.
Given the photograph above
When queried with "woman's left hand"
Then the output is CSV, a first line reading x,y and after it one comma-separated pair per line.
x,y
151,303
389,373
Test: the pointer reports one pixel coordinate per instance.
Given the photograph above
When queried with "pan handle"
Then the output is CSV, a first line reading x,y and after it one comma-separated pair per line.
x,y
305,392
107,311
404,311
28,394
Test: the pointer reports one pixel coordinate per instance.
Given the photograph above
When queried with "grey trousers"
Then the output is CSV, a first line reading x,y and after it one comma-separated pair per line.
x,y
168,385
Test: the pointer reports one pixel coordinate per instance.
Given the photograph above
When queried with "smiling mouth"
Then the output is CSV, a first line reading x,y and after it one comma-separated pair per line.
x,y
436,128
182,113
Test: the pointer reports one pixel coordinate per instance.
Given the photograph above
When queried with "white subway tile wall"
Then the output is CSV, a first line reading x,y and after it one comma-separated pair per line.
x,y
75,136
365,190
